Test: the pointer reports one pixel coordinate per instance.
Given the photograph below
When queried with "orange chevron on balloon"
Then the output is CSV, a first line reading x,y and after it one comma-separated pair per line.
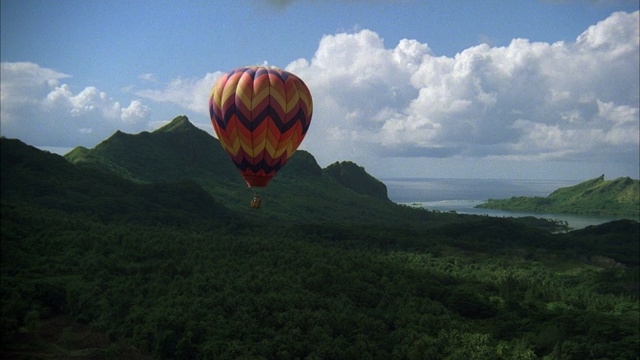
x,y
260,115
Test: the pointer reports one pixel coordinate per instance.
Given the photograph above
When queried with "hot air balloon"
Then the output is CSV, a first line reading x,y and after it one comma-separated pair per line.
x,y
260,115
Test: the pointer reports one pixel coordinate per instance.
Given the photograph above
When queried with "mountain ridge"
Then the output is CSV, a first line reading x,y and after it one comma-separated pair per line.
x,y
165,153
32,176
153,156
597,196
355,177
179,151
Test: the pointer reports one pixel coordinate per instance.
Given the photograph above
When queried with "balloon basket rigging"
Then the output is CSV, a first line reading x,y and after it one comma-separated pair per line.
x,y
256,202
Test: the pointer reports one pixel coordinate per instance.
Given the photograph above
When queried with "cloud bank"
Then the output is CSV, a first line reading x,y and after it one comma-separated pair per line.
x,y
528,101
37,109
192,94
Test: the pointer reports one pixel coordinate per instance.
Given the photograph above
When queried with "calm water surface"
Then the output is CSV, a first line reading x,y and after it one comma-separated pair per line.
x,y
462,195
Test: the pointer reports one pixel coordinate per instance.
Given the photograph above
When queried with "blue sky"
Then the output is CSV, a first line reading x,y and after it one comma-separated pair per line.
x,y
464,89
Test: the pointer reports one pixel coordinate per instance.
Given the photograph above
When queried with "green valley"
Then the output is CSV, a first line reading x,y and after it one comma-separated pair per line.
x,y
145,247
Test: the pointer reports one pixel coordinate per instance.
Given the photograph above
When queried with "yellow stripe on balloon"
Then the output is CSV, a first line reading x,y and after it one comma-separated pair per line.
x,y
277,96
270,149
229,90
260,97
293,102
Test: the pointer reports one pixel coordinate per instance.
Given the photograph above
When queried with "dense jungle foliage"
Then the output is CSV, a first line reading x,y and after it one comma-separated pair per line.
x,y
172,270
232,290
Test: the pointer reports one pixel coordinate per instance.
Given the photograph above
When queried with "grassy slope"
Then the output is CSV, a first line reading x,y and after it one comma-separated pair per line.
x,y
618,197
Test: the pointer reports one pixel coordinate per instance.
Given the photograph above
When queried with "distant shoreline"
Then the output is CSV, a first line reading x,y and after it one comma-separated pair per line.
x,y
463,195
467,207
599,197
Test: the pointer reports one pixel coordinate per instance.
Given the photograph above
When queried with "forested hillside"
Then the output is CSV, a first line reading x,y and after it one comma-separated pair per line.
x,y
618,197
145,246
179,151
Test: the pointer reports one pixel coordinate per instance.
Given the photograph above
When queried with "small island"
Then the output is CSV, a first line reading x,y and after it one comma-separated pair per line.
x,y
618,197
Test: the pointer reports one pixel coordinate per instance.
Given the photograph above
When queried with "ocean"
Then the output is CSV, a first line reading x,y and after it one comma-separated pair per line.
x,y
462,195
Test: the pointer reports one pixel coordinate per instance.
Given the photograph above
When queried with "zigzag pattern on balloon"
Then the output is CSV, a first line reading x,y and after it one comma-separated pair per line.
x,y
260,116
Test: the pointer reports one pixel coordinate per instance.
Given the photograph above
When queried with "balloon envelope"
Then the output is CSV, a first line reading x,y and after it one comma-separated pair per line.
x,y
260,116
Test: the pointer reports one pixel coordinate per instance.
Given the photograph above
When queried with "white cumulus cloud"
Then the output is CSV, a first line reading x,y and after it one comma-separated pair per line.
x,y
528,100
23,84
39,110
190,93
538,101
135,113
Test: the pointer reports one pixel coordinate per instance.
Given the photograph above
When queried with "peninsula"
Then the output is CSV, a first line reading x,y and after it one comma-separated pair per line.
x,y
618,197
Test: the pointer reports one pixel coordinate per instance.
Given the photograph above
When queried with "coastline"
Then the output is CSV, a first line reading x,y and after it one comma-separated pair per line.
x,y
462,195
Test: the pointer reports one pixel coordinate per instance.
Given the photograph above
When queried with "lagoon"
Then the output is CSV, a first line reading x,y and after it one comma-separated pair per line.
x,y
462,195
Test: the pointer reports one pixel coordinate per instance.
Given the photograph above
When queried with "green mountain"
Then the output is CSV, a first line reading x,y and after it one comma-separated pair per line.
x,y
354,177
180,151
177,151
41,179
618,197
